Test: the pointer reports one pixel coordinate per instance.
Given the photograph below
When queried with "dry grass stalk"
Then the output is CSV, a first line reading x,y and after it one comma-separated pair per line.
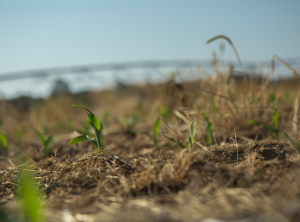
x,y
295,115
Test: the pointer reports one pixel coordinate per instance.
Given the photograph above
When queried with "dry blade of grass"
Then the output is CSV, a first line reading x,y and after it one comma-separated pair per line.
x,y
295,115
295,73
232,45
178,114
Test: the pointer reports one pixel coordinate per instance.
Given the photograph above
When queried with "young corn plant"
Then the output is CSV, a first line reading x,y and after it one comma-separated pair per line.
x,y
191,137
274,128
165,112
96,125
30,197
155,133
46,139
17,137
294,143
3,140
209,130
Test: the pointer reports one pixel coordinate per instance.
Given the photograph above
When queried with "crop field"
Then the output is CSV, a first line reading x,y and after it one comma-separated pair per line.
x,y
205,150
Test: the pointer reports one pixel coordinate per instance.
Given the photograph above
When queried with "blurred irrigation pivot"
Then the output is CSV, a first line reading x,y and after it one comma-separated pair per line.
x,y
121,66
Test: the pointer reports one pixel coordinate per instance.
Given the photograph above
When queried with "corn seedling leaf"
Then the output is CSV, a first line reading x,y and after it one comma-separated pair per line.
x,y
17,137
175,141
49,140
100,134
155,133
272,131
167,144
156,128
209,129
3,140
193,130
30,197
94,122
147,134
275,119
272,98
190,143
294,143
41,137
79,139
94,142
165,113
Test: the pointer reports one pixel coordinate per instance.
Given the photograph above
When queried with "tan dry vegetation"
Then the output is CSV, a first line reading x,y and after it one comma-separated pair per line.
x,y
240,178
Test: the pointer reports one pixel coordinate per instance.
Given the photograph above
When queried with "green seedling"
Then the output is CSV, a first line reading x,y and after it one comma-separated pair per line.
x,y
96,125
17,137
165,112
3,140
274,129
155,133
294,143
46,140
213,107
209,130
175,141
191,137
272,98
30,197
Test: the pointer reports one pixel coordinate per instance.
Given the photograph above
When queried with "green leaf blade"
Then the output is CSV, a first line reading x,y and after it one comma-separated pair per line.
x,y
79,139
94,142
175,141
209,129
93,120
272,131
3,140
147,134
41,137
193,130
275,119
156,128
30,197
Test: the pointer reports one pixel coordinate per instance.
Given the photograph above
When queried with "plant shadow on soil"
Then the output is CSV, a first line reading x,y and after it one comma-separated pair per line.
x,y
244,180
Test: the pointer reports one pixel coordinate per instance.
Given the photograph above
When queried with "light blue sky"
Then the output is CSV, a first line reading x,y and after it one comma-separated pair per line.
x,y
50,33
